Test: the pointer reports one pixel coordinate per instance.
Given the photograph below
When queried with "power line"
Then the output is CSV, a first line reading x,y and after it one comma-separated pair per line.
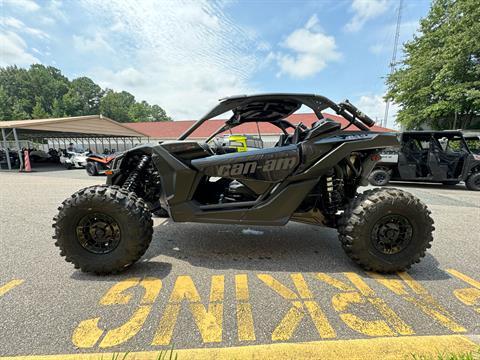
x,y
394,57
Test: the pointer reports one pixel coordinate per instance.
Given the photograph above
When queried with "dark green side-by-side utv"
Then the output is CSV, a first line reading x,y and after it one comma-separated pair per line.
x,y
311,176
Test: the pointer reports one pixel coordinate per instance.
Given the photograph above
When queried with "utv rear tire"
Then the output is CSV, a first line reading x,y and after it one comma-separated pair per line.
x,y
161,213
92,168
386,230
473,182
103,229
379,177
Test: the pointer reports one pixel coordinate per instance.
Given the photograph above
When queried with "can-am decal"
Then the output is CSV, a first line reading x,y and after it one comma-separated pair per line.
x,y
250,167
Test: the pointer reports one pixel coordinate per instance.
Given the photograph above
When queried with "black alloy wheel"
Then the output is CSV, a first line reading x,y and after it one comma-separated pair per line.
x,y
98,233
391,234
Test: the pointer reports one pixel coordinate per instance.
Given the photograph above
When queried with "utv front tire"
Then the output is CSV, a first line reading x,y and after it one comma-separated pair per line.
x,y
379,177
386,230
103,229
473,182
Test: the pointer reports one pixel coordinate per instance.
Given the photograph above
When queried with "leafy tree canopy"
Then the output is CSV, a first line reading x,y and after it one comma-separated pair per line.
x,y
42,92
440,74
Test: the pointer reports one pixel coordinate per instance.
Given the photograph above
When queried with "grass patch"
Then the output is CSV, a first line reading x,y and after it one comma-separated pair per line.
x,y
472,355
162,355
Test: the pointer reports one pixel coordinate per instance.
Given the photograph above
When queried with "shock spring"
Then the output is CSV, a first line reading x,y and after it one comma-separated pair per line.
x,y
132,181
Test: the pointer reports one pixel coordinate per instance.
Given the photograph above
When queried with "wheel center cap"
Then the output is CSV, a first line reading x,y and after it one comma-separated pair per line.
x,y
98,233
391,234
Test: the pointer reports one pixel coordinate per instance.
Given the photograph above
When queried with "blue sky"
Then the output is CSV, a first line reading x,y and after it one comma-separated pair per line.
x,y
184,55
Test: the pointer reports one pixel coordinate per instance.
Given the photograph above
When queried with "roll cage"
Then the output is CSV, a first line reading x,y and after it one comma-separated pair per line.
x,y
274,108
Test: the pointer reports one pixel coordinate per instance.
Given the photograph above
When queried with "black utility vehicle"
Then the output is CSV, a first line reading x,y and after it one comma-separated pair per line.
x,y
429,156
473,143
310,176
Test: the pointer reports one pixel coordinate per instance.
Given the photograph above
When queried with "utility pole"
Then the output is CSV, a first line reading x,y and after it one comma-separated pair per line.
x,y
394,57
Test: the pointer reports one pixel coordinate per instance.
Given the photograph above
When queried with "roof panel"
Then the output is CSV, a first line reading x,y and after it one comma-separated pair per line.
x,y
172,130
90,125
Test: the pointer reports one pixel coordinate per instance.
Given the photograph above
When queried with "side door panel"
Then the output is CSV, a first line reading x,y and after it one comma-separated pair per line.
x,y
272,164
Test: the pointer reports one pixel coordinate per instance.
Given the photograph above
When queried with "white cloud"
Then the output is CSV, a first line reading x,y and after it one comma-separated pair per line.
x,y
13,50
26,5
377,48
91,44
310,51
181,55
54,9
47,20
374,106
406,32
365,10
126,78
263,46
11,22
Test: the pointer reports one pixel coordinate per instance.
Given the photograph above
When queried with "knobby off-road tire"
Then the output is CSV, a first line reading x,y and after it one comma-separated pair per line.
x,y
386,230
91,168
473,182
161,213
379,177
93,215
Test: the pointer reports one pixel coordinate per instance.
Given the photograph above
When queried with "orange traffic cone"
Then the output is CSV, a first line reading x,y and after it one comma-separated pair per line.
x,y
28,168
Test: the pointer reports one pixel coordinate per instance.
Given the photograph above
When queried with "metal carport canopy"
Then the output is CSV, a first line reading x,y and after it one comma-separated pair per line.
x,y
77,126
89,126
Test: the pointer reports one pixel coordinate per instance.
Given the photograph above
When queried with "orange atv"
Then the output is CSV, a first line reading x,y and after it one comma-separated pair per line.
x,y
97,164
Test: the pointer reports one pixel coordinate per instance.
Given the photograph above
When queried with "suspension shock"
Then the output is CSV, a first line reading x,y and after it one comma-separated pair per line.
x,y
332,193
132,180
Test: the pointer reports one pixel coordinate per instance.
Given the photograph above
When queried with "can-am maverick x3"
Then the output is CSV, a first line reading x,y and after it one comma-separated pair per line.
x,y
310,176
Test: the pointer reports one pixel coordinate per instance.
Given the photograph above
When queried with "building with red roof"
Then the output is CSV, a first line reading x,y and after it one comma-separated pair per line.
x,y
171,130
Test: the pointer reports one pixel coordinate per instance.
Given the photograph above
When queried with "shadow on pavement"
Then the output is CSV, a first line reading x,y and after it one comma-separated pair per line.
x,y
144,267
292,248
460,186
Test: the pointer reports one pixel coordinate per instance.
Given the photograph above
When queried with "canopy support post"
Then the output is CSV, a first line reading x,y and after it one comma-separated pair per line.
x,y
7,152
20,156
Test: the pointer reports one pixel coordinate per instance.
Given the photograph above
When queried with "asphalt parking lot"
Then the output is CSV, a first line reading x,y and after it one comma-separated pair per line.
x,y
215,291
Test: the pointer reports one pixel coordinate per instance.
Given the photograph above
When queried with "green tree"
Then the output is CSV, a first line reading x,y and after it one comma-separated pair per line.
x,y
83,97
15,83
43,91
58,109
142,111
38,111
48,83
18,110
139,112
116,105
440,74
158,114
5,108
